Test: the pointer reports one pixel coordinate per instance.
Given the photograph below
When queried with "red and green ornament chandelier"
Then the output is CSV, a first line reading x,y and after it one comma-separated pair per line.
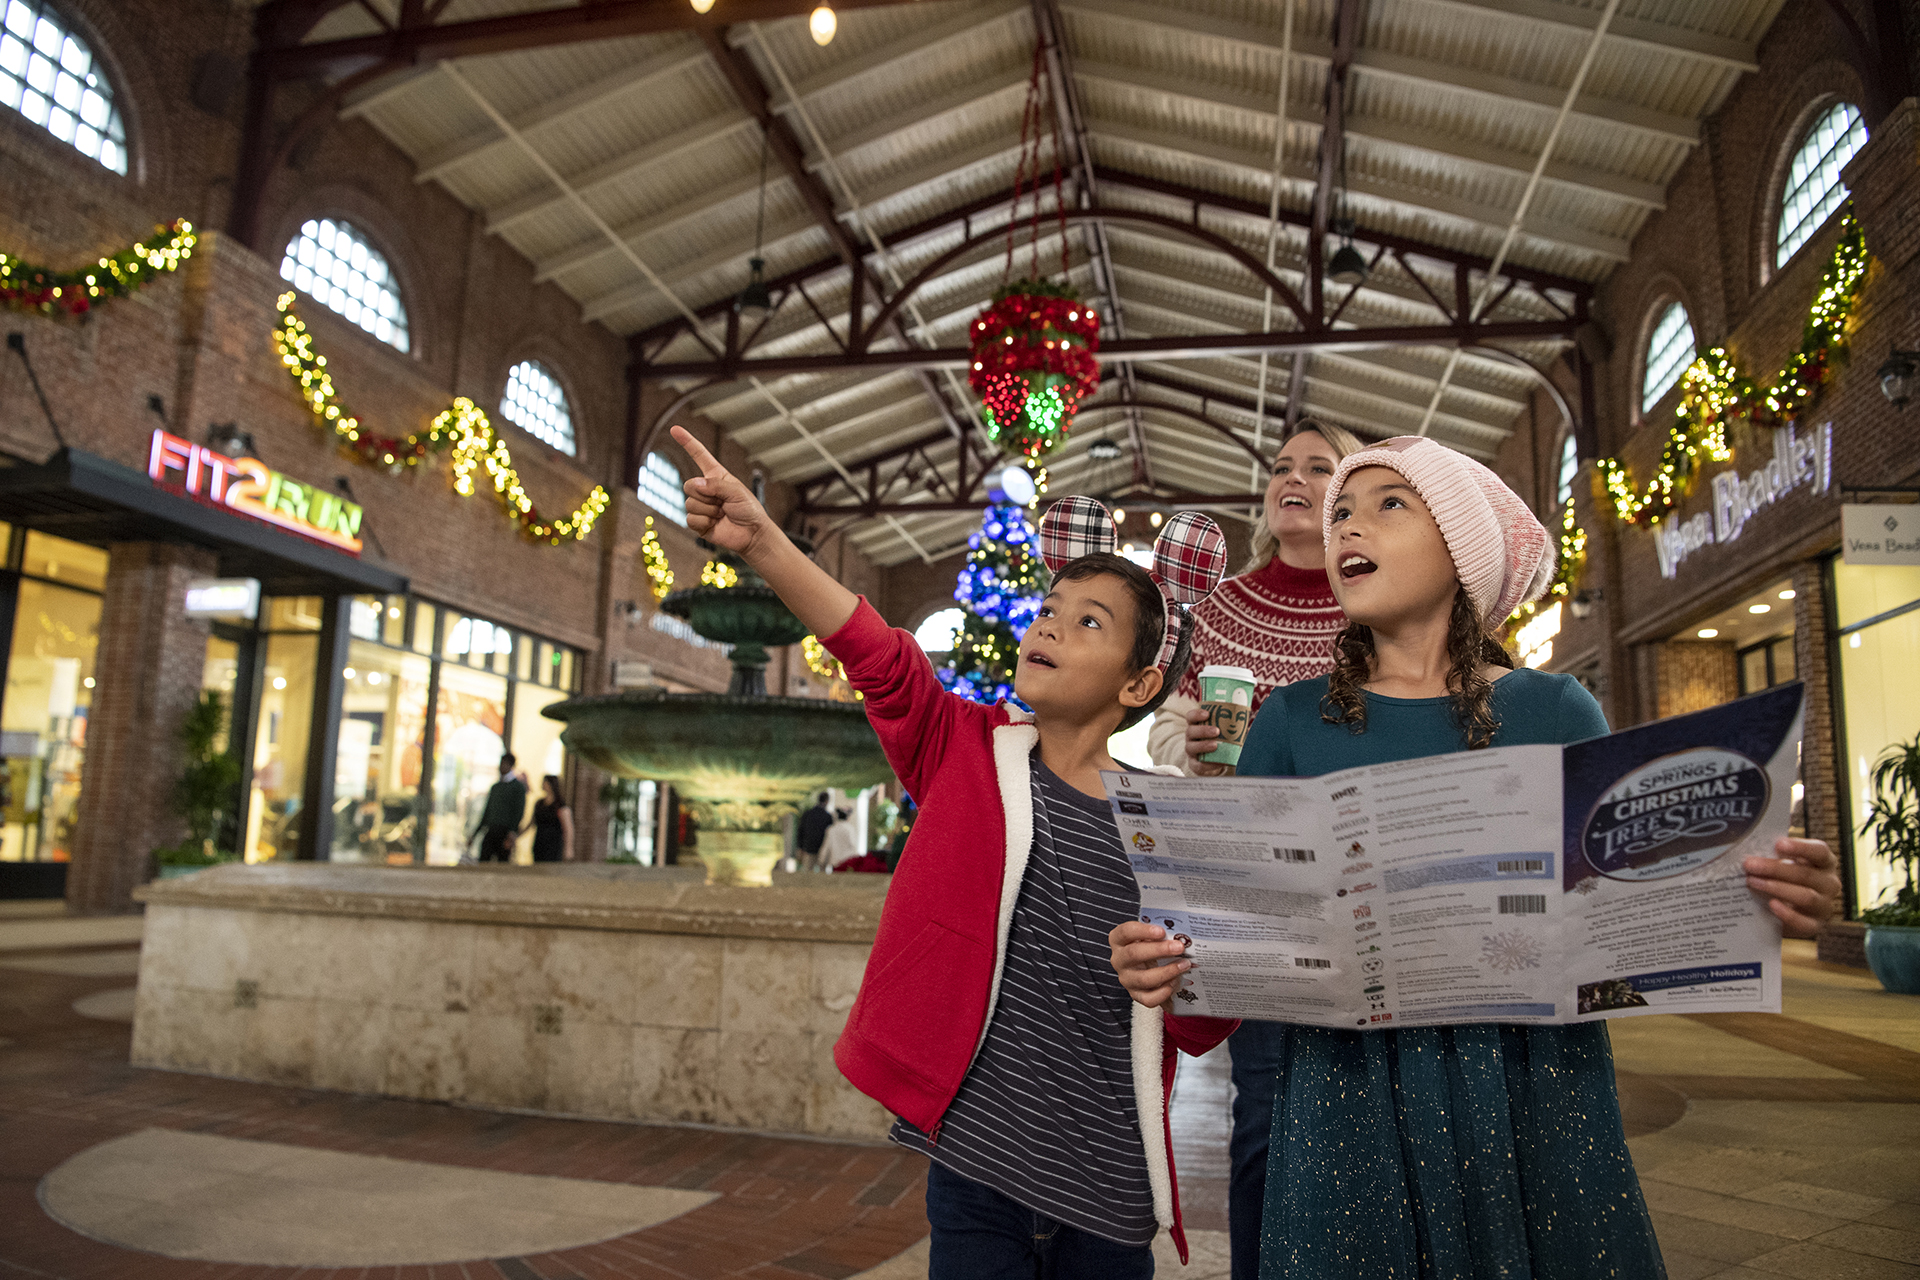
x,y
1033,364
1033,348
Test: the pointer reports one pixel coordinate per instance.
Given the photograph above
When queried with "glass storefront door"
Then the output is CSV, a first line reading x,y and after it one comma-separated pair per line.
x,y
1877,608
469,733
377,760
43,719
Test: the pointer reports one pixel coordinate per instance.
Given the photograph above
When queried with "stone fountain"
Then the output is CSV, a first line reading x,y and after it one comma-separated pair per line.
x,y
741,760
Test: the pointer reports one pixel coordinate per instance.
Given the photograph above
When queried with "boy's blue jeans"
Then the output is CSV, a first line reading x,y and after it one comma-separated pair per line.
x,y
979,1234
1256,1048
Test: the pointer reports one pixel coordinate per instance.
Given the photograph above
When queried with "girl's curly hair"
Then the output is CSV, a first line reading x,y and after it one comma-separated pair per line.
x,y
1470,646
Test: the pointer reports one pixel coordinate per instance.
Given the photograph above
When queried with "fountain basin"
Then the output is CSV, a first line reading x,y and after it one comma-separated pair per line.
x,y
742,763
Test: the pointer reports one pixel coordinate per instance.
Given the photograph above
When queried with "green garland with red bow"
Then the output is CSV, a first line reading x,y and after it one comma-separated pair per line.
x,y
27,287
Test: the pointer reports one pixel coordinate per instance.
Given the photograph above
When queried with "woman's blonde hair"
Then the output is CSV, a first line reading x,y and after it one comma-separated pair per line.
x,y
1342,441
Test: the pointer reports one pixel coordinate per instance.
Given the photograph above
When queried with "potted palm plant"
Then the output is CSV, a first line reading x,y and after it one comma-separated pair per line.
x,y
205,793
1893,927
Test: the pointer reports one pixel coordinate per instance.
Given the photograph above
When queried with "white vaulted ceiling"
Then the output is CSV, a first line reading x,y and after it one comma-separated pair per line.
x,y
627,171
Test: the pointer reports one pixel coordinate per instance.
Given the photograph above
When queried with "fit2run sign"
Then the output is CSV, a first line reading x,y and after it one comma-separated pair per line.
x,y
248,487
1797,460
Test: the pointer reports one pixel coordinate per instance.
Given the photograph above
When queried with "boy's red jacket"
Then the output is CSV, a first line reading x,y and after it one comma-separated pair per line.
x,y
934,974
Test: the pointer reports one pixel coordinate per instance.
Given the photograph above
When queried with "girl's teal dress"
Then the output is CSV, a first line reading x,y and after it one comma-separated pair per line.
x,y
1444,1153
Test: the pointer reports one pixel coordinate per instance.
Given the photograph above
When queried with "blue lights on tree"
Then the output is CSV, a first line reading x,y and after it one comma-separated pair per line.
x,y
1000,588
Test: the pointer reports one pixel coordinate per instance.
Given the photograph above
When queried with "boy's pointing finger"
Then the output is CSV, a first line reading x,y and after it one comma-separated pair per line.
x,y
708,464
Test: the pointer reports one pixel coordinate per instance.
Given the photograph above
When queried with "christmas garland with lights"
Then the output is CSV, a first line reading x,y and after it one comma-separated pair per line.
x,y
1033,363
654,556
718,575
462,430
1566,572
25,287
1714,393
820,662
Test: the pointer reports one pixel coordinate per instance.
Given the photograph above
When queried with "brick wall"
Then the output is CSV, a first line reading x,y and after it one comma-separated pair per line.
x,y
1695,675
149,668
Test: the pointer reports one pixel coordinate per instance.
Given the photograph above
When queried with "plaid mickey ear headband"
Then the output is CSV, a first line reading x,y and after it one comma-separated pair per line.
x,y
1189,556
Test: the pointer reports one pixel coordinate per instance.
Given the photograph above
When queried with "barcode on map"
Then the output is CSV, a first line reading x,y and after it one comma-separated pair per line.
x,y
1523,904
1293,855
1302,962
1519,866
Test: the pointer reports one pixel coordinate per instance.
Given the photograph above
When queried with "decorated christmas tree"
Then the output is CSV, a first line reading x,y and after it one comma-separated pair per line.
x,y
1000,589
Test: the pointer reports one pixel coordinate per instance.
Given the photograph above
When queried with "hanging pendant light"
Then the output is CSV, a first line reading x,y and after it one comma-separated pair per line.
x,y
1347,266
822,24
702,6
755,300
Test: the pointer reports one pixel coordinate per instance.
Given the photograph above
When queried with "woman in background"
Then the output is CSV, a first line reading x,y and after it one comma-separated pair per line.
x,y
1278,619
552,824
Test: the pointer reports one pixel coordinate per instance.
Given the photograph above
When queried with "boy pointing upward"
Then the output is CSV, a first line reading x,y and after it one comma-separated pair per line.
x,y
988,1020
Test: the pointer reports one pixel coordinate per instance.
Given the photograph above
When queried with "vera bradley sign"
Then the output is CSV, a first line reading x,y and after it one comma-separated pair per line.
x,y
1797,460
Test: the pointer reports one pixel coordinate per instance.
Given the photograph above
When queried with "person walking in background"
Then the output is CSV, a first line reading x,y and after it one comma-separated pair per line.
x,y
1278,620
813,830
500,819
841,844
552,824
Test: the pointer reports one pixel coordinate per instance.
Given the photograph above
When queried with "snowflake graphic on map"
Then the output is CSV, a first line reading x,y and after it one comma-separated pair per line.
x,y
1511,785
1590,884
1509,952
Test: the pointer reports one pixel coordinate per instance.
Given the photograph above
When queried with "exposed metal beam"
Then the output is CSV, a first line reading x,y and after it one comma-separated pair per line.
x,y
426,42
1424,200
1198,346
1578,179
1419,71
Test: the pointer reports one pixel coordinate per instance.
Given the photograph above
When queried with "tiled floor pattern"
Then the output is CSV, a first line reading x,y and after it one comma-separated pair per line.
x,y
1769,1146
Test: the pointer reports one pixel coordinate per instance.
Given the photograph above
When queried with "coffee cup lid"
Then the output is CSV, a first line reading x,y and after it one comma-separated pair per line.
x,y
1226,673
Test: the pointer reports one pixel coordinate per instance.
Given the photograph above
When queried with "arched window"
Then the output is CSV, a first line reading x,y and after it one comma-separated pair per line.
x,y
660,489
1814,189
1669,352
1569,468
535,403
332,262
51,77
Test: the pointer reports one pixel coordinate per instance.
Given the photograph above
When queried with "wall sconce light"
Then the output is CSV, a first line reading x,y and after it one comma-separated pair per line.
x,y
631,611
1898,376
1582,604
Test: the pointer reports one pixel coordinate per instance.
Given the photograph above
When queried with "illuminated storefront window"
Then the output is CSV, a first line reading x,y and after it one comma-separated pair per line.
x,y
1877,609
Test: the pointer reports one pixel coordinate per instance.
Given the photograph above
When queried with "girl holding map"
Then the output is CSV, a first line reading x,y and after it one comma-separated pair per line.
x,y
1471,1150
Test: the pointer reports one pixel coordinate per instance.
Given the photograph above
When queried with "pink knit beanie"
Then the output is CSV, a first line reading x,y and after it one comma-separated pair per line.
x,y
1501,552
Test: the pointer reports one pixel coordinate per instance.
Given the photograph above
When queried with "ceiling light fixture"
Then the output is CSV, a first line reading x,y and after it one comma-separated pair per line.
x,y
1787,594
754,300
1706,633
1759,608
702,6
1347,266
1103,450
1899,376
1154,519
821,24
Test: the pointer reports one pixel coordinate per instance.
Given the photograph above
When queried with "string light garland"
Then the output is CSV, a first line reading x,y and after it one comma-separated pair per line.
x,y
462,430
719,576
820,662
26,287
1714,393
654,556
1033,363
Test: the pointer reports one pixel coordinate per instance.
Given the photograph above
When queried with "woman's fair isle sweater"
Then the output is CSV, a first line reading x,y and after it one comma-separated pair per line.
x,y
1278,622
